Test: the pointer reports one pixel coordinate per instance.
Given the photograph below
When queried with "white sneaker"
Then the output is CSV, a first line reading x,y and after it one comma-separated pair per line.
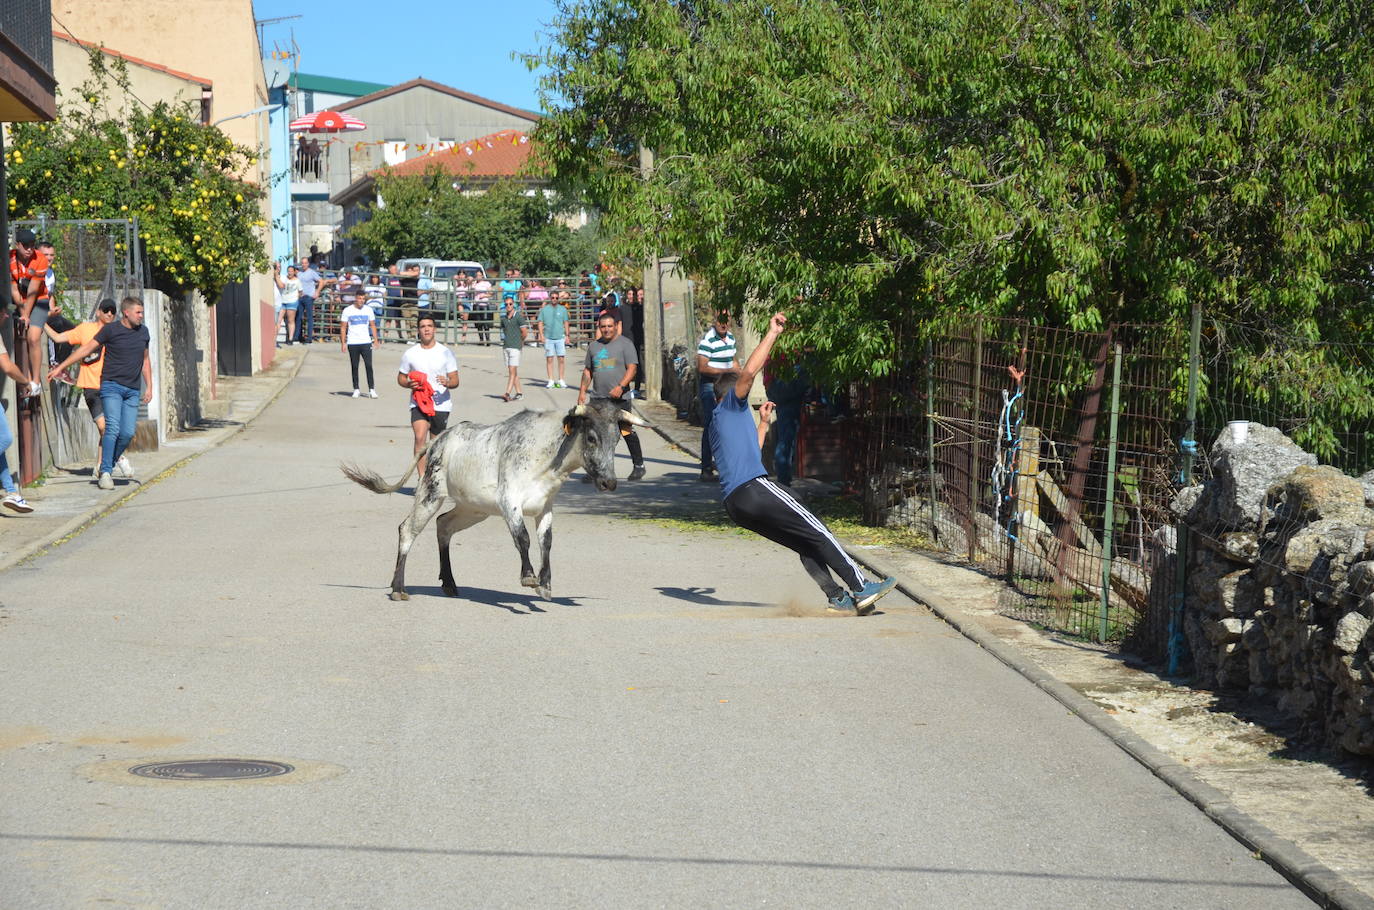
x,y
371,393
17,503
551,384
560,384
106,482
356,393
124,467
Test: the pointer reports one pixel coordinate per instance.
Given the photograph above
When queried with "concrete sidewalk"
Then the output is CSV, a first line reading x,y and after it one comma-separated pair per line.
x,y
67,498
69,501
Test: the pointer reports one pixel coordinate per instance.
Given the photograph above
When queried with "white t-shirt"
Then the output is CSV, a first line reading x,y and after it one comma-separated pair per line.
x,y
290,290
357,318
436,363
375,294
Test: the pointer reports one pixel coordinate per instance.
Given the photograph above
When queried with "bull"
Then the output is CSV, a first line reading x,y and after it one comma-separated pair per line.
x,y
511,469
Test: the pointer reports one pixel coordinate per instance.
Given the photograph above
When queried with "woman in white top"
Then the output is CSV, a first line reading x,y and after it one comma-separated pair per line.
x,y
358,336
290,288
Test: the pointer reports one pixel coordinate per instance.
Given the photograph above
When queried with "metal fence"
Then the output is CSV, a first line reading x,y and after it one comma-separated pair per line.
x,y
461,314
93,259
1050,458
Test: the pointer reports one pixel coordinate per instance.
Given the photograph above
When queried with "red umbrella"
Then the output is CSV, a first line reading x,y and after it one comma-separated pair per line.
x,y
327,122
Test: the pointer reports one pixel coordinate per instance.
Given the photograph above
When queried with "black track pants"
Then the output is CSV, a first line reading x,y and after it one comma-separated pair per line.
x,y
770,511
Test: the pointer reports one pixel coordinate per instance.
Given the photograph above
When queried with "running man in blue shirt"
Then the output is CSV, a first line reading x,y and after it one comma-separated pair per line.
x,y
767,509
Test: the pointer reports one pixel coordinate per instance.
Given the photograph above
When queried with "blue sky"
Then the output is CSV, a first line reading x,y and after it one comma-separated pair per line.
x,y
466,45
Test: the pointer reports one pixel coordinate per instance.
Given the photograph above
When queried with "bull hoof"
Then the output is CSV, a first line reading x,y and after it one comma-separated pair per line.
x,y
399,595
544,592
451,590
530,581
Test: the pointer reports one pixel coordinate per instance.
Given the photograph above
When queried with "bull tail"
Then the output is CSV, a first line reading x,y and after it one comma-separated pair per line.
x,y
373,481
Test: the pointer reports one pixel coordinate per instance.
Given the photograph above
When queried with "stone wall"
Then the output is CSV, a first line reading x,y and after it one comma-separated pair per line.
x,y
1281,584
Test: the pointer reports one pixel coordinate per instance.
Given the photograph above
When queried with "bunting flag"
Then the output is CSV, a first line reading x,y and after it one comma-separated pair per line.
x,y
469,147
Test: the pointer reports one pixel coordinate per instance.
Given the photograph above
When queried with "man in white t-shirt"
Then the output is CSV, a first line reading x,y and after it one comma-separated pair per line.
x,y
357,338
430,398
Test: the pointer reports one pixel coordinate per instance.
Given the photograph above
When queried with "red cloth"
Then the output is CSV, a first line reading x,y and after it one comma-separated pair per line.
x,y
424,395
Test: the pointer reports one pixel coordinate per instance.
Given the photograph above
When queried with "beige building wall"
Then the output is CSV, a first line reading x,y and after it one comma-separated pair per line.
x,y
71,67
216,39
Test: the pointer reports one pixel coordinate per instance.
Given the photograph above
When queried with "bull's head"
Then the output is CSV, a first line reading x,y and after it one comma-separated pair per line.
x,y
597,427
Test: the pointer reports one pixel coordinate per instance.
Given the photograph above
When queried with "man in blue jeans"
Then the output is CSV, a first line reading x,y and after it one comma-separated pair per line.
x,y
125,354
311,285
13,499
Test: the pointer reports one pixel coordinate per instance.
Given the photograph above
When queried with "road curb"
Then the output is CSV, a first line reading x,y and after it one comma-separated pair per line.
x,y
1305,872
78,523
1317,881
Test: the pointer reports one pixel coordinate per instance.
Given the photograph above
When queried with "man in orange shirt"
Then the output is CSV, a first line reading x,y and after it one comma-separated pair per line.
x,y
88,378
29,287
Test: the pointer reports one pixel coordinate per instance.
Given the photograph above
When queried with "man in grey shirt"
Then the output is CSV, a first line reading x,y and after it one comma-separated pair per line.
x,y
609,371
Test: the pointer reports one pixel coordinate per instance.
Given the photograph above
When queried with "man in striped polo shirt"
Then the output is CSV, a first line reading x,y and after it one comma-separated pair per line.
x,y
716,355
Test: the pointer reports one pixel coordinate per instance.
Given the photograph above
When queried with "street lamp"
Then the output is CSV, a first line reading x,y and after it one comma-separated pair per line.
x,y
257,110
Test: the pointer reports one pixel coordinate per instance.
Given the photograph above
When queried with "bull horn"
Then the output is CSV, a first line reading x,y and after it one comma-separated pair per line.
x,y
579,410
632,417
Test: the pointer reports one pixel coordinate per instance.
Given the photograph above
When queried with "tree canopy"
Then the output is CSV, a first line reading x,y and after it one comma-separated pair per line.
x,y
427,216
889,162
108,155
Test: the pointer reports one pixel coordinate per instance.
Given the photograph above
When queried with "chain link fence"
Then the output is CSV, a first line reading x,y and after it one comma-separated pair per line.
x,y
1053,458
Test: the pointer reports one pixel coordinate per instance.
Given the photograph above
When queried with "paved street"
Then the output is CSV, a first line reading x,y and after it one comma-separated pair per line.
x,y
680,726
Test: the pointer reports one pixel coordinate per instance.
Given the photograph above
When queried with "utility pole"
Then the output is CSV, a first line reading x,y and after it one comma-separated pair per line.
x,y
653,305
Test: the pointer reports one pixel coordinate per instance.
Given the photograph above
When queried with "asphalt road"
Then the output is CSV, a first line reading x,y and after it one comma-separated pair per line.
x,y
682,725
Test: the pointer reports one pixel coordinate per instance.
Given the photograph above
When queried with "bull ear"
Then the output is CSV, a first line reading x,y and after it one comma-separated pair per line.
x,y
567,424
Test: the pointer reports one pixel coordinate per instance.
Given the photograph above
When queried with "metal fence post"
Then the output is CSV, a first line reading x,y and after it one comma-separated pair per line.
x,y
930,433
1109,512
1188,445
975,485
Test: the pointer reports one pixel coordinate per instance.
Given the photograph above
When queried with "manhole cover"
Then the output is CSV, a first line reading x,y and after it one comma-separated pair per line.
x,y
212,769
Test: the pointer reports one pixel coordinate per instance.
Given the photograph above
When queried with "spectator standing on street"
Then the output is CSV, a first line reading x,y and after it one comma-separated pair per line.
x,y
755,502
610,368
373,295
410,294
13,499
553,334
462,299
290,288
357,338
481,307
29,290
716,355
125,349
91,367
430,371
514,331
311,285
394,294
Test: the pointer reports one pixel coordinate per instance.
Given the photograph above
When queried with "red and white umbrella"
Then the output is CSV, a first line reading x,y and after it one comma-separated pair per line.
x,y
327,122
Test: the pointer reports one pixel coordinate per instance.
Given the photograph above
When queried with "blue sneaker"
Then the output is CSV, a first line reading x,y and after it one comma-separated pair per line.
x,y
868,595
842,602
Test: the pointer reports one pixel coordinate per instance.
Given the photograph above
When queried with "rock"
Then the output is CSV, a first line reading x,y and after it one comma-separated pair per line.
x,y
1350,632
1313,493
1366,482
1224,631
1242,474
1185,500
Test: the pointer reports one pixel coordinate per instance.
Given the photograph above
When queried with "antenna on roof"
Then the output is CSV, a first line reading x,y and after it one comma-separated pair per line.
x,y
261,22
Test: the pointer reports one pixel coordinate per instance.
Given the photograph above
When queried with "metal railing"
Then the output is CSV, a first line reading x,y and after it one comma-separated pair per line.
x,y
462,317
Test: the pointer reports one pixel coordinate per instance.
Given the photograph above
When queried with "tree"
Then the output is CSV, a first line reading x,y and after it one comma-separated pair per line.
x,y
110,156
427,215
893,162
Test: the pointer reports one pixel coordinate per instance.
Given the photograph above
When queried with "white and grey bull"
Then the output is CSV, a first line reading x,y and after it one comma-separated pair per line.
x,y
512,469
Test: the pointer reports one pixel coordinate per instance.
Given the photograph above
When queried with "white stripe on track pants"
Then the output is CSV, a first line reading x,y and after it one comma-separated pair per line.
x,y
771,511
